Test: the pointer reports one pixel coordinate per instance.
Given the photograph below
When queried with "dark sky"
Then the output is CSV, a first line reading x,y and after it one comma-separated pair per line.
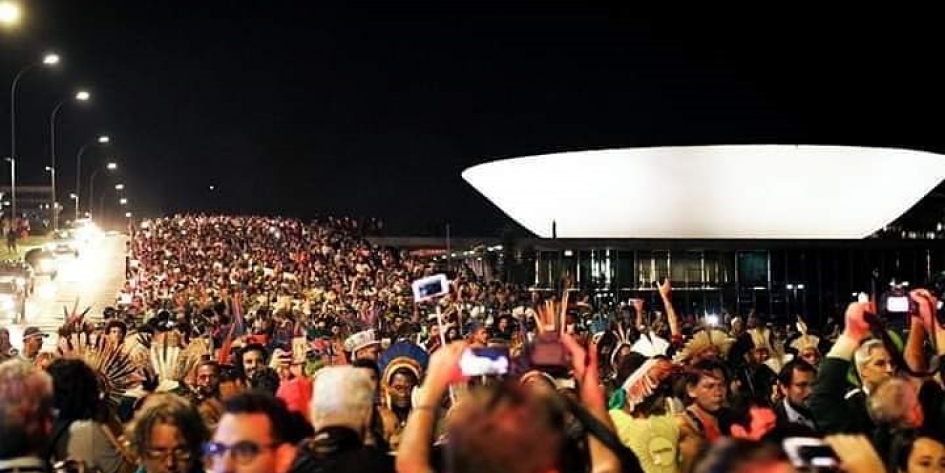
x,y
349,108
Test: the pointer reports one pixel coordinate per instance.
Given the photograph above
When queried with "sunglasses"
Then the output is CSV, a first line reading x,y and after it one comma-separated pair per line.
x,y
243,452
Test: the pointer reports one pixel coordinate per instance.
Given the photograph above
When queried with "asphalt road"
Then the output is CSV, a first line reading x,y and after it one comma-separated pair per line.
x,y
94,279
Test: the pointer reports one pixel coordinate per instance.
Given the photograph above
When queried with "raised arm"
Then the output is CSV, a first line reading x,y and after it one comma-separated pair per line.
x,y
587,374
666,293
413,454
827,402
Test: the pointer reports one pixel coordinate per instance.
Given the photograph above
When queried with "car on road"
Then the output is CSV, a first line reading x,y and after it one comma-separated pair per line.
x,y
43,262
22,273
12,298
63,243
85,231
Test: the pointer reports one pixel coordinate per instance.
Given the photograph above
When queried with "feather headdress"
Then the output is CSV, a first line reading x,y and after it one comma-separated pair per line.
x,y
645,380
75,320
806,340
401,355
761,339
702,341
173,363
116,371
138,346
650,345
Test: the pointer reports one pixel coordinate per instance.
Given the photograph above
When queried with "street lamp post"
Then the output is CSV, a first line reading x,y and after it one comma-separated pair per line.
x,y
75,197
12,184
81,96
119,188
55,206
103,139
48,60
110,167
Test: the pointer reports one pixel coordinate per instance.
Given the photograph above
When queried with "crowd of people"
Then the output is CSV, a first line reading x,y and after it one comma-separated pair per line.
x,y
257,344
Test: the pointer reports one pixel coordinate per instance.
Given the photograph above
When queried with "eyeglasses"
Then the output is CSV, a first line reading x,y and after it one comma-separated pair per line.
x,y
179,454
243,452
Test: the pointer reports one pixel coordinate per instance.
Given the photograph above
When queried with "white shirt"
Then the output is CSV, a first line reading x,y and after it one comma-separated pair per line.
x,y
796,417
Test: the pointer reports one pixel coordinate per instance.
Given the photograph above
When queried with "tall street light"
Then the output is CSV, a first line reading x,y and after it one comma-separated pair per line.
x,y
109,167
10,13
80,96
55,205
102,140
49,60
12,182
119,188
76,199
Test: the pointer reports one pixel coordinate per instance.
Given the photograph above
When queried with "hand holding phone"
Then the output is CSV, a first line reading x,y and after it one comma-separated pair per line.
x,y
547,351
489,361
810,453
430,287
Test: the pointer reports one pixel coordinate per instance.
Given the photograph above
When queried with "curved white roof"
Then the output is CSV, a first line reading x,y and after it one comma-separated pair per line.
x,y
711,192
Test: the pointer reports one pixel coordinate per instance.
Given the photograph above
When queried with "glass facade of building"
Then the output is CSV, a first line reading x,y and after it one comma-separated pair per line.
x,y
813,279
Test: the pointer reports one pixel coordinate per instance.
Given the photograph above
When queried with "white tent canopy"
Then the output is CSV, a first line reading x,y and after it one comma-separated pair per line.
x,y
710,192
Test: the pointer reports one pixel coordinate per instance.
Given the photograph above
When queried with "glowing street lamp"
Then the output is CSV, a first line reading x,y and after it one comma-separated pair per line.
x,y
119,187
123,201
111,166
127,214
10,13
51,59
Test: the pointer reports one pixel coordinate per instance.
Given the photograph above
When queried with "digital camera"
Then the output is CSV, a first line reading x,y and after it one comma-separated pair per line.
x,y
895,306
896,301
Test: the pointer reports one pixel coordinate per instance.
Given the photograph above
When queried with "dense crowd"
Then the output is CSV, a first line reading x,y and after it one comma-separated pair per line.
x,y
258,344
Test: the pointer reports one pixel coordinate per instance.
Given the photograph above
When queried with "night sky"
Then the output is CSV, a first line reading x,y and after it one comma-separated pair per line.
x,y
348,108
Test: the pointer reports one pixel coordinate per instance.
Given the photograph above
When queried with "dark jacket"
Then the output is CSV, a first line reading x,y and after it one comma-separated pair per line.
x,y
835,407
340,450
784,420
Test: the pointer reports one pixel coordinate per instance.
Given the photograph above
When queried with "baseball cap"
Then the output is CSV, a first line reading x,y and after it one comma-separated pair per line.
x,y
31,332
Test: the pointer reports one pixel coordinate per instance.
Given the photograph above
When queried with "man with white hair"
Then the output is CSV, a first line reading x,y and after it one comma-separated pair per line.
x,y
341,412
26,418
839,411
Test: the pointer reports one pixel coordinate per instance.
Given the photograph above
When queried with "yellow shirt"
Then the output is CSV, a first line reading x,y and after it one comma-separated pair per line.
x,y
653,439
